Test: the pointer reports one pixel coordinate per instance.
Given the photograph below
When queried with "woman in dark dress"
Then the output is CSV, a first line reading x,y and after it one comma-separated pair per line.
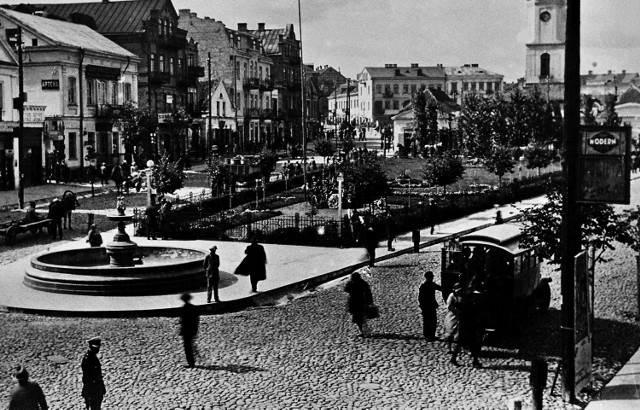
x,y
360,298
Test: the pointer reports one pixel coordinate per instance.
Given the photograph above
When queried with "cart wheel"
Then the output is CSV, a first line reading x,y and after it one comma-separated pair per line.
x,y
11,234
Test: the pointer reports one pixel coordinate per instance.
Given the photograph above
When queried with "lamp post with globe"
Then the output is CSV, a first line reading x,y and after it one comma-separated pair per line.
x,y
150,165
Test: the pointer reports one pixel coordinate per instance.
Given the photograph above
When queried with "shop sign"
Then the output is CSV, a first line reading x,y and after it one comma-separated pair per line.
x,y
164,117
50,84
103,73
604,170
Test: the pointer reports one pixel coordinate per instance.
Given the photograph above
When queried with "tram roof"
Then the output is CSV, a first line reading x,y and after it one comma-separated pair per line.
x,y
506,236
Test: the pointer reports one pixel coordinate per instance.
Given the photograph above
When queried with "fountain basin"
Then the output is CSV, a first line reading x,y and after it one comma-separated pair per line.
x,y
87,271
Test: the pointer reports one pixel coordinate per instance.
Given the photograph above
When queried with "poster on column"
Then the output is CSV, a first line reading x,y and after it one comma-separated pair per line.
x,y
582,322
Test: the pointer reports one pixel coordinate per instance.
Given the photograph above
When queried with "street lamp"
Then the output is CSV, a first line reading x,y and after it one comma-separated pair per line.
x,y
154,145
150,165
340,180
257,188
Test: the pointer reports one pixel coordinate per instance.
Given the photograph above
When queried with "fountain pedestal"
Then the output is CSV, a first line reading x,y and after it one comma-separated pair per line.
x,y
121,249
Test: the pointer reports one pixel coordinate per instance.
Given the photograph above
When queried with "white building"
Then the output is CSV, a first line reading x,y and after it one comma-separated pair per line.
x,y
343,103
75,80
9,116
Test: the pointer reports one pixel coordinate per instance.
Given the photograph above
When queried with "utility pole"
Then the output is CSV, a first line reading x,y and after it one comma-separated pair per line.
x,y
570,232
21,98
81,109
304,127
210,131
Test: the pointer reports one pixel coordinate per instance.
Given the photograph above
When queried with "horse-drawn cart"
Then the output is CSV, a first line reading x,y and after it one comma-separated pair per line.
x,y
11,229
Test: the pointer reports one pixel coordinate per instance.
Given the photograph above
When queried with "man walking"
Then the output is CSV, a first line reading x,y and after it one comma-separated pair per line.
x,y
26,395
432,215
256,260
188,327
390,226
370,244
211,270
152,217
93,389
429,306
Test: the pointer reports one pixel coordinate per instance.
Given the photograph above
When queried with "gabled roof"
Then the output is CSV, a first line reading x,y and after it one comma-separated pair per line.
x,y
631,95
445,104
407,72
66,34
7,55
271,38
608,78
110,17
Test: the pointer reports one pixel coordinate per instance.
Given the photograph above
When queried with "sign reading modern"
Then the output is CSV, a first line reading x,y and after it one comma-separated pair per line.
x,y
604,173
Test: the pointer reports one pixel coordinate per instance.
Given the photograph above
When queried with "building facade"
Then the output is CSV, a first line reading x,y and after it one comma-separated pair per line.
x,y
75,80
168,68
9,116
344,105
471,78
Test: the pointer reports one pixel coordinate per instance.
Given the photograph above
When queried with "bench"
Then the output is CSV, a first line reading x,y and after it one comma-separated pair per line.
x,y
11,229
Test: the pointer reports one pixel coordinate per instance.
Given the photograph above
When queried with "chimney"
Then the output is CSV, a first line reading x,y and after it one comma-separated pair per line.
x,y
414,65
260,26
624,71
474,65
105,1
242,27
609,72
590,72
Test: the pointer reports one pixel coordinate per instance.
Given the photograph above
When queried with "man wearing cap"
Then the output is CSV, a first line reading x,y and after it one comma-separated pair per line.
x,y
429,306
211,271
26,395
93,389
188,327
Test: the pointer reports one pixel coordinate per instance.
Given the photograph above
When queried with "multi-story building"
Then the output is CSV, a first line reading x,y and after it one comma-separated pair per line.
x,y
168,61
328,80
344,104
243,97
9,117
74,80
384,91
471,78
282,47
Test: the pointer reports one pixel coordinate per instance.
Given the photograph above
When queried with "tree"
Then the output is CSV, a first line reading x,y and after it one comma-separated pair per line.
x,y
443,169
364,181
266,162
136,125
324,148
420,118
168,176
601,226
218,174
610,116
500,161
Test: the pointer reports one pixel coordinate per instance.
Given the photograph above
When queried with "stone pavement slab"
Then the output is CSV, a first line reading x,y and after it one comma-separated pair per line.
x,y
623,391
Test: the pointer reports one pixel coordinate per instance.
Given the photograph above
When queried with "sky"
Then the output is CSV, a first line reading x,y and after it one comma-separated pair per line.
x,y
353,34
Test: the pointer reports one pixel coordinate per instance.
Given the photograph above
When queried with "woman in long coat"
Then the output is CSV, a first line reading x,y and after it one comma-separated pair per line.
x,y
452,319
360,298
255,262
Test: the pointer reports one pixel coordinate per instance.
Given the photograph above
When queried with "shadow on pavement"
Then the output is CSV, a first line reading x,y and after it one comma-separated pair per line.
x,y
393,336
233,368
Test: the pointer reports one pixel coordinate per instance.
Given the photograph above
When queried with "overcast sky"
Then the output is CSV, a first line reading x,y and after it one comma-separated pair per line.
x,y
352,34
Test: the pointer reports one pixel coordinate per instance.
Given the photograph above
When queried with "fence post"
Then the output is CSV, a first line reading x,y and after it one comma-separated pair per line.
x,y
249,228
297,221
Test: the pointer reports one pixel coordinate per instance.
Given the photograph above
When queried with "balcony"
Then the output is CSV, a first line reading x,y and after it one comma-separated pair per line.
x,y
387,94
157,77
266,84
251,83
108,110
195,71
252,113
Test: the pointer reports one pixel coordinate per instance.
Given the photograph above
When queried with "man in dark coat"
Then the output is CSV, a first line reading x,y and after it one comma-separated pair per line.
x,y
256,260
429,306
370,244
93,389
118,178
56,213
211,267
390,226
432,215
188,327
152,220
26,395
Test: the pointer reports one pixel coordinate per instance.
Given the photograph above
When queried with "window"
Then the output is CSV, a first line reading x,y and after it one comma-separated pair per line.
x,y
152,62
481,86
439,86
413,88
91,92
489,86
114,93
171,66
545,59
260,72
34,42
191,60
72,93
497,87
237,69
387,104
387,88
379,89
224,108
454,88
405,89
161,67
180,70
101,92
473,86
218,108
127,92
73,145
396,105
465,86
395,88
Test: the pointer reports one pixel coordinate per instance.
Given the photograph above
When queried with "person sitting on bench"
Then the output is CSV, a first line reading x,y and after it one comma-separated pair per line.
x,y
32,215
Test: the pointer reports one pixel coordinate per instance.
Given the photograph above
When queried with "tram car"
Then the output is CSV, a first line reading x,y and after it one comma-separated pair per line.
x,y
493,268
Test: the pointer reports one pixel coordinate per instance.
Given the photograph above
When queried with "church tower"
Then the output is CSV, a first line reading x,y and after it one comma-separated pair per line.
x,y
546,43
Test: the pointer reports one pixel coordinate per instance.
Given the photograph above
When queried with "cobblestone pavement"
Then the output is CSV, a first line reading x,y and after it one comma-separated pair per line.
x,y
306,354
